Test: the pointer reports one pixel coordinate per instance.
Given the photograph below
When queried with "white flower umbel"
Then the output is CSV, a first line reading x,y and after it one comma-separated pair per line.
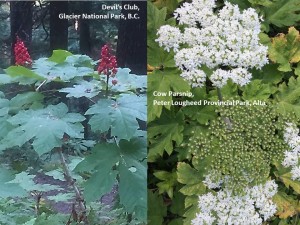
x,y
291,156
252,208
227,39
196,78
169,37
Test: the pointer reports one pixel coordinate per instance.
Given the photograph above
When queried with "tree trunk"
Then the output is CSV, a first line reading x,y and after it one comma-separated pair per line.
x,y
84,30
58,27
20,24
132,39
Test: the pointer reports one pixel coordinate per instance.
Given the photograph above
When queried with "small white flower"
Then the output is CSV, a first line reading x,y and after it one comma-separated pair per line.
x,y
196,78
219,78
240,76
224,208
296,173
169,37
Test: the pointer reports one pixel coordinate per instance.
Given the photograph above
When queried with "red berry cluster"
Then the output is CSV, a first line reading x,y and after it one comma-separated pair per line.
x,y
108,63
22,56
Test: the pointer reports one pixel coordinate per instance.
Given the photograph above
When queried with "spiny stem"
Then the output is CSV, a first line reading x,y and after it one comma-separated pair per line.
x,y
71,181
226,119
107,79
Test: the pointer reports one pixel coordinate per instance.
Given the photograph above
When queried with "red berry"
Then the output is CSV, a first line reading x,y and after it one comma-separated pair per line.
x,y
108,63
114,82
22,56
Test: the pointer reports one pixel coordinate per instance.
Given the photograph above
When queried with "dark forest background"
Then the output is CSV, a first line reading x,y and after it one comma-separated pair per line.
x,y
38,25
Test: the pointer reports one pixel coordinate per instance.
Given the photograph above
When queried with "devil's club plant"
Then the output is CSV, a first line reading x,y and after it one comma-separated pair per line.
x,y
66,108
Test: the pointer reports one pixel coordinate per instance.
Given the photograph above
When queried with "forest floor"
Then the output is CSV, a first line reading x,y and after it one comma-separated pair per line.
x,y
66,207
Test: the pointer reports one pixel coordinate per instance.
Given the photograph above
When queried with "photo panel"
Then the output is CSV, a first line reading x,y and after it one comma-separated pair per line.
x,y
73,112
223,112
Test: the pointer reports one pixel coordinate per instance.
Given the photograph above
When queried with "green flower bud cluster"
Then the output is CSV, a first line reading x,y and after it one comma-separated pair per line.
x,y
243,151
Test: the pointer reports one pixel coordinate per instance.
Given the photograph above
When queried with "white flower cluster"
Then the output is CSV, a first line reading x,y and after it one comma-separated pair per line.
x,y
291,157
252,208
228,38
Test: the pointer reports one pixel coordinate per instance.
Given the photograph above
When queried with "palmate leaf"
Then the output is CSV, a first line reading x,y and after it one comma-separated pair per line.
x,y
288,97
157,210
163,132
156,56
128,81
283,12
9,189
4,110
46,127
83,89
129,157
26,100
285,49
118,115
287,206
64,66
163,82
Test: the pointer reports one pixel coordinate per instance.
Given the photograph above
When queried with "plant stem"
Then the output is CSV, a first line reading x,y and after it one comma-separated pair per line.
x,y
226,119
107,79
71,181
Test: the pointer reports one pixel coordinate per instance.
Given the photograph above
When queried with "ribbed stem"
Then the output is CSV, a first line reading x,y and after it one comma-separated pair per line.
x,y
71,181
226,119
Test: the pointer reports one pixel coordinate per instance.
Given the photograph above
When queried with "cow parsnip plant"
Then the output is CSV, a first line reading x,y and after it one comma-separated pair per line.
x,y
88,123
216,164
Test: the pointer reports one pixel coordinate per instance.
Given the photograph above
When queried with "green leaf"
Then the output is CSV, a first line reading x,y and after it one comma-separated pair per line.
x,y
80,61
163,82
5,79
156,56
288,97
283,13
288,182
163,132
59,56
46,127
178,206
128,81
156,209
51,219
133,170
129,157
26,182
285,49
168,182
100,183
188,175
286,205
119,116
22,72
26,100
9,189
268,74
133,182
242,4
104,178
171,5
261,2
192,179
66,70
256,90
155,17
203,113
83,89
